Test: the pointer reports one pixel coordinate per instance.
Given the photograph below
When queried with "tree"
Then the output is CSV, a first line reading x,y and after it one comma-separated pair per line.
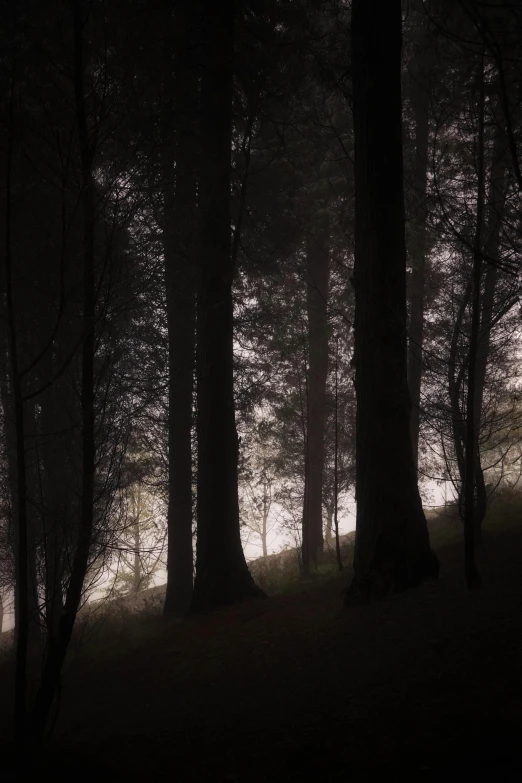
x,y
419,73
139,545
258,481
58,644
7,560
84,424
317,273
476,215
222,575
392,550
472,414
179,247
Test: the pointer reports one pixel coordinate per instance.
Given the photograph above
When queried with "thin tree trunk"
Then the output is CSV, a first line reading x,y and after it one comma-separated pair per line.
x,y
472,415
53,499
57,647
496,201
179,244
317,304
455,380
266,508
392,550
336,460
10,434
34,529
421,104
222,575
136,575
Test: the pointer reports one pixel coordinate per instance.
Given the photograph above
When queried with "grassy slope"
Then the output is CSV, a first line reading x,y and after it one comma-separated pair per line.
x,y
297,688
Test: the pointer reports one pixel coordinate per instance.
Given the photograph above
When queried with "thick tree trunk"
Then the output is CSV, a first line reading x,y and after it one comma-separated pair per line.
x,y
317,269
10,449
222,575
19,474
419,248
179,244
57,646
392,550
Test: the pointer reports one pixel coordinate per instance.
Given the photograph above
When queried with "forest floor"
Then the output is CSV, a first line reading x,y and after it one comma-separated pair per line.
x,y
422,686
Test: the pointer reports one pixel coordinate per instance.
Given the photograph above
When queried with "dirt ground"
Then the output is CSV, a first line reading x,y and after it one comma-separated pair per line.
x,y
422,686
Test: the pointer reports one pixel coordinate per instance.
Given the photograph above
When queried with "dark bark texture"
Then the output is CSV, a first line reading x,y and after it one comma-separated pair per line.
x,y
392,550
19,492
317,270
419,74
222,575
472,412
179,244
494,215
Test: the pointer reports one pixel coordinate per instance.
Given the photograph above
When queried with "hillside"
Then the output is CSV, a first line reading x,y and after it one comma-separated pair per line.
x,y
274,573
296,687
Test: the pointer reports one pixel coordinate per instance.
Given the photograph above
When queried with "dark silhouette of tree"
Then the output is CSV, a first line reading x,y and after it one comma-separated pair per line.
x,y
179,156
74,311
222,575
472,414
419,76
23,588
317,273
57,645
392,550
474,187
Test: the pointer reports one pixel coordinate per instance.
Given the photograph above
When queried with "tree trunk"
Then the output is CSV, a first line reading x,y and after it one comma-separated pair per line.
x,y
264,522
472,414
54,493
1,613
179,244
136,564
392,550
336,459
57,646
421,104
10,433
329,524
317,305
222,575
496,201
455,380
19,487
34,528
